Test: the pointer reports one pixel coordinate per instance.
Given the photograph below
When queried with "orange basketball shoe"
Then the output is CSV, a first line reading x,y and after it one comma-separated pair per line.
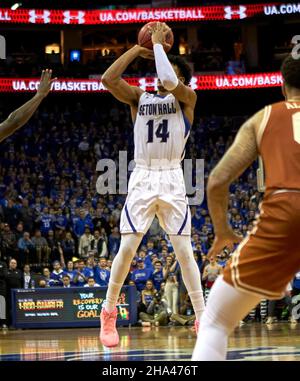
x,y
109,336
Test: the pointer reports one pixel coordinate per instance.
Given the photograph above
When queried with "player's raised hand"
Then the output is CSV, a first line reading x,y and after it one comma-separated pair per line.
x,y
45,82
146,53
222,241
159,34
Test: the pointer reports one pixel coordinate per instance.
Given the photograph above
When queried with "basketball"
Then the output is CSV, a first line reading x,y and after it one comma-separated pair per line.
x,y
144,37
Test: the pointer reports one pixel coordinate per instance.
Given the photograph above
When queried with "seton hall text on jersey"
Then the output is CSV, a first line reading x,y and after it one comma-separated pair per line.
x,y
157,109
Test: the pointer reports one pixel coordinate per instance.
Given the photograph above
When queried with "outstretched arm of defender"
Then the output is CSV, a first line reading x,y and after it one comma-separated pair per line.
x,y
164,69
117,86
21,116
240,155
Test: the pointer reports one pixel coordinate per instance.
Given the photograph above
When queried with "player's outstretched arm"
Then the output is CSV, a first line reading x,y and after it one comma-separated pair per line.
x,y
21,116
165,70
112,80
240,155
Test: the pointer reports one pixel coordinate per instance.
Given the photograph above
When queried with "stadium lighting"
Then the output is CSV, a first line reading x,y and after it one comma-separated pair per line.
x,y
15,6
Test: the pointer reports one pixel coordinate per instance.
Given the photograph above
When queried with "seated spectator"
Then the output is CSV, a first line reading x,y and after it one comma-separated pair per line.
x,y
42,283
57,274
91,283
148,293
157,312
41,247
102,274
85,243
66,281
47,277
186,314
141,275
68,247
26,250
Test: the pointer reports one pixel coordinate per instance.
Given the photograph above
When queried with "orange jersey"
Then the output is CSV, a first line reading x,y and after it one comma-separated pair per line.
x,y
280,146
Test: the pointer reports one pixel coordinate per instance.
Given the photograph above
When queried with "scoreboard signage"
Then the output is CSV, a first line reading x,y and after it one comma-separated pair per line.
x,y
68,307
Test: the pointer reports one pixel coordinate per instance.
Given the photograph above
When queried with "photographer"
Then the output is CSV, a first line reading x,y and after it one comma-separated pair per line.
x,y
157,312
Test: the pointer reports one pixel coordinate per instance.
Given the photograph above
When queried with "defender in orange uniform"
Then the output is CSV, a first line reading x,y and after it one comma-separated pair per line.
x,y
268,258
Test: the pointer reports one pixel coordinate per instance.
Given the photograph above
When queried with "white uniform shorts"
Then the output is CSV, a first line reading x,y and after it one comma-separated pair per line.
x,y
159,192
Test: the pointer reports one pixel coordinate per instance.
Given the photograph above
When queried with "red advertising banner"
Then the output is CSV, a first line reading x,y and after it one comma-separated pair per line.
x,y
202,82
143,15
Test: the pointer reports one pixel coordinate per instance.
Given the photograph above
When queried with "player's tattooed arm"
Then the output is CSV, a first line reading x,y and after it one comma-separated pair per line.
x,y
112,78
21,116
239,156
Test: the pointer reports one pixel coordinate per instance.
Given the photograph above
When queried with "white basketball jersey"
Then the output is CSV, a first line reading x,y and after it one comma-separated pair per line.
x,y
160,130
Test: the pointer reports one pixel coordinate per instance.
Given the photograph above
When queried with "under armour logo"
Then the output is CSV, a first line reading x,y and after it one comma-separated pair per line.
x,y
241,12
39,15
194,83
146,83
78,16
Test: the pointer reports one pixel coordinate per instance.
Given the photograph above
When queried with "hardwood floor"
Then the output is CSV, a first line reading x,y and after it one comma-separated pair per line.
x,y
254,341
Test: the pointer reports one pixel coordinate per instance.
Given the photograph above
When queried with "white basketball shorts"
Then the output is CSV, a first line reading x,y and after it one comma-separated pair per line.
x,y
159,192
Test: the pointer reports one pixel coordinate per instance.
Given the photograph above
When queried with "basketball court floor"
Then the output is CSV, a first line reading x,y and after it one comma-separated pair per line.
x,y
253,341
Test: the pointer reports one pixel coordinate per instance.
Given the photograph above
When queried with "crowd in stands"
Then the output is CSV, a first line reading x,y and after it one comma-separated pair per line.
x,y
56,231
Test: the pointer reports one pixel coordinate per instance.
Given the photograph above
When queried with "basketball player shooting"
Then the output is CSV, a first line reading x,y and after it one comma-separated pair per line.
x,y
21,116
162,123
268,258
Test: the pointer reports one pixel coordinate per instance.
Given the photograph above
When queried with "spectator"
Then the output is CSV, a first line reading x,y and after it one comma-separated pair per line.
x,y
19,231
140,276
114,242
148,293
57,274
172,292
102,274
26,215
14,279
27,277
80,278
69,270
46,221
91,283
210,274
157,312
47,277
11,214
157,276
81,223
41,247
66,281
26,250
42,283
68,247
98,245
85,243
9,242
3,272
60,220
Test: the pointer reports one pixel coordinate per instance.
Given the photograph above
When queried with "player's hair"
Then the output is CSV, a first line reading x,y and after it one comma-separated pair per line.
x,y
290,70
184,67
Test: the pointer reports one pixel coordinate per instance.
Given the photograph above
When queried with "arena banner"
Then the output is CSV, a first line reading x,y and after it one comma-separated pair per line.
x,y
143,15
201,82
68,307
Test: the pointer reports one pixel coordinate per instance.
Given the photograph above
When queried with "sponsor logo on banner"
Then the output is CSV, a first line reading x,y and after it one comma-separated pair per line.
x,y
241,12
43,16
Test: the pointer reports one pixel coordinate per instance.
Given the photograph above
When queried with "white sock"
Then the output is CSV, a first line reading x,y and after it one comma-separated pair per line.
x,y
226,306
120,268
190,271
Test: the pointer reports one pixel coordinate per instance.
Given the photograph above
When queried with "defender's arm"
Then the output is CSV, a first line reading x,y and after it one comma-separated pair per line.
x,y
21,116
